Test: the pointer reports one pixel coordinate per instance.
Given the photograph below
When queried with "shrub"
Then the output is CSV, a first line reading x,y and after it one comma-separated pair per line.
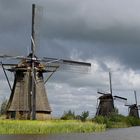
x,y
117,121
132,121
84,116
68,115
116,117
100,119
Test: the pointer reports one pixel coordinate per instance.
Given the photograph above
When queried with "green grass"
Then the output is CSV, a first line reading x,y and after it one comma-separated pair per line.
x,y
98,124
117,121
48,127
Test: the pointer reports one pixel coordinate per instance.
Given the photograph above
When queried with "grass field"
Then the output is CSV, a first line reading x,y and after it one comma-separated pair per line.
x,y
48,127
57,126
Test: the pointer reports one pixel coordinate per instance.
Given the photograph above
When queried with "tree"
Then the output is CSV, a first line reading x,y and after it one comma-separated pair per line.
x,y
84,116
68,115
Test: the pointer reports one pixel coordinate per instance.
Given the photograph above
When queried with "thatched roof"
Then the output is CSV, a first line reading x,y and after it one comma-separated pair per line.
x,y
106,96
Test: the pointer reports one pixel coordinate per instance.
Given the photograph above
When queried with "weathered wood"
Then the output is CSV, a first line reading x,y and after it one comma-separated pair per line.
x,y
19,105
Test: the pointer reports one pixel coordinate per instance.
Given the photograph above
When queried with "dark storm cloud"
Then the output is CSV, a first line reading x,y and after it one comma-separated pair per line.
x,y
14,27
95,29
94,21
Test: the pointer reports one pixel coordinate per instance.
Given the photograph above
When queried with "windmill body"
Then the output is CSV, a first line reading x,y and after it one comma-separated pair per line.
x,y
106,105
133,109
106,102
28,99
20,102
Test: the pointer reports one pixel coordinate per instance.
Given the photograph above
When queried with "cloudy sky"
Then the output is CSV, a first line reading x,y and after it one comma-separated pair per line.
x,y
105,33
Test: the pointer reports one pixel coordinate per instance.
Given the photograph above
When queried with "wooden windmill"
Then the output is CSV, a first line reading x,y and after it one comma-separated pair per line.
x,y
133,109
28,99
106,102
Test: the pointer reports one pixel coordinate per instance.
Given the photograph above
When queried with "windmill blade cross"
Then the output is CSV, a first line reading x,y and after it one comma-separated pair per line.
x,y
33,42
12,57
69,65
68,62
118,97
135,96
121,99
71,62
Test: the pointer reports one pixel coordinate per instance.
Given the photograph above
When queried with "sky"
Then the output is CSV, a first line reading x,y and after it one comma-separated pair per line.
x,y
104,33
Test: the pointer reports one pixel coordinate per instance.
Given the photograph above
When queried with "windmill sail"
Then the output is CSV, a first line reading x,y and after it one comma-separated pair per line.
x,y
110,82
121,99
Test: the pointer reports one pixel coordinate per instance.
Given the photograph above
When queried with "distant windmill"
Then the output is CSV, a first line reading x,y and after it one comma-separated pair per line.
x,y
106,101
134,108
28,99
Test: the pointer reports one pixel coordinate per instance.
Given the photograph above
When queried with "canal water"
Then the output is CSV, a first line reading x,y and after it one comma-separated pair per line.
x,y
132,133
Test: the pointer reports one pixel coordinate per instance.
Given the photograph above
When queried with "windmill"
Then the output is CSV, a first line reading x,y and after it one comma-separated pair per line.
x,y
106,102
134,108
28,99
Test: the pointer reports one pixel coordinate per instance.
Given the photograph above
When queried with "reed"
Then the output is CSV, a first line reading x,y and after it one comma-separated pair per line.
x,y
48,127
